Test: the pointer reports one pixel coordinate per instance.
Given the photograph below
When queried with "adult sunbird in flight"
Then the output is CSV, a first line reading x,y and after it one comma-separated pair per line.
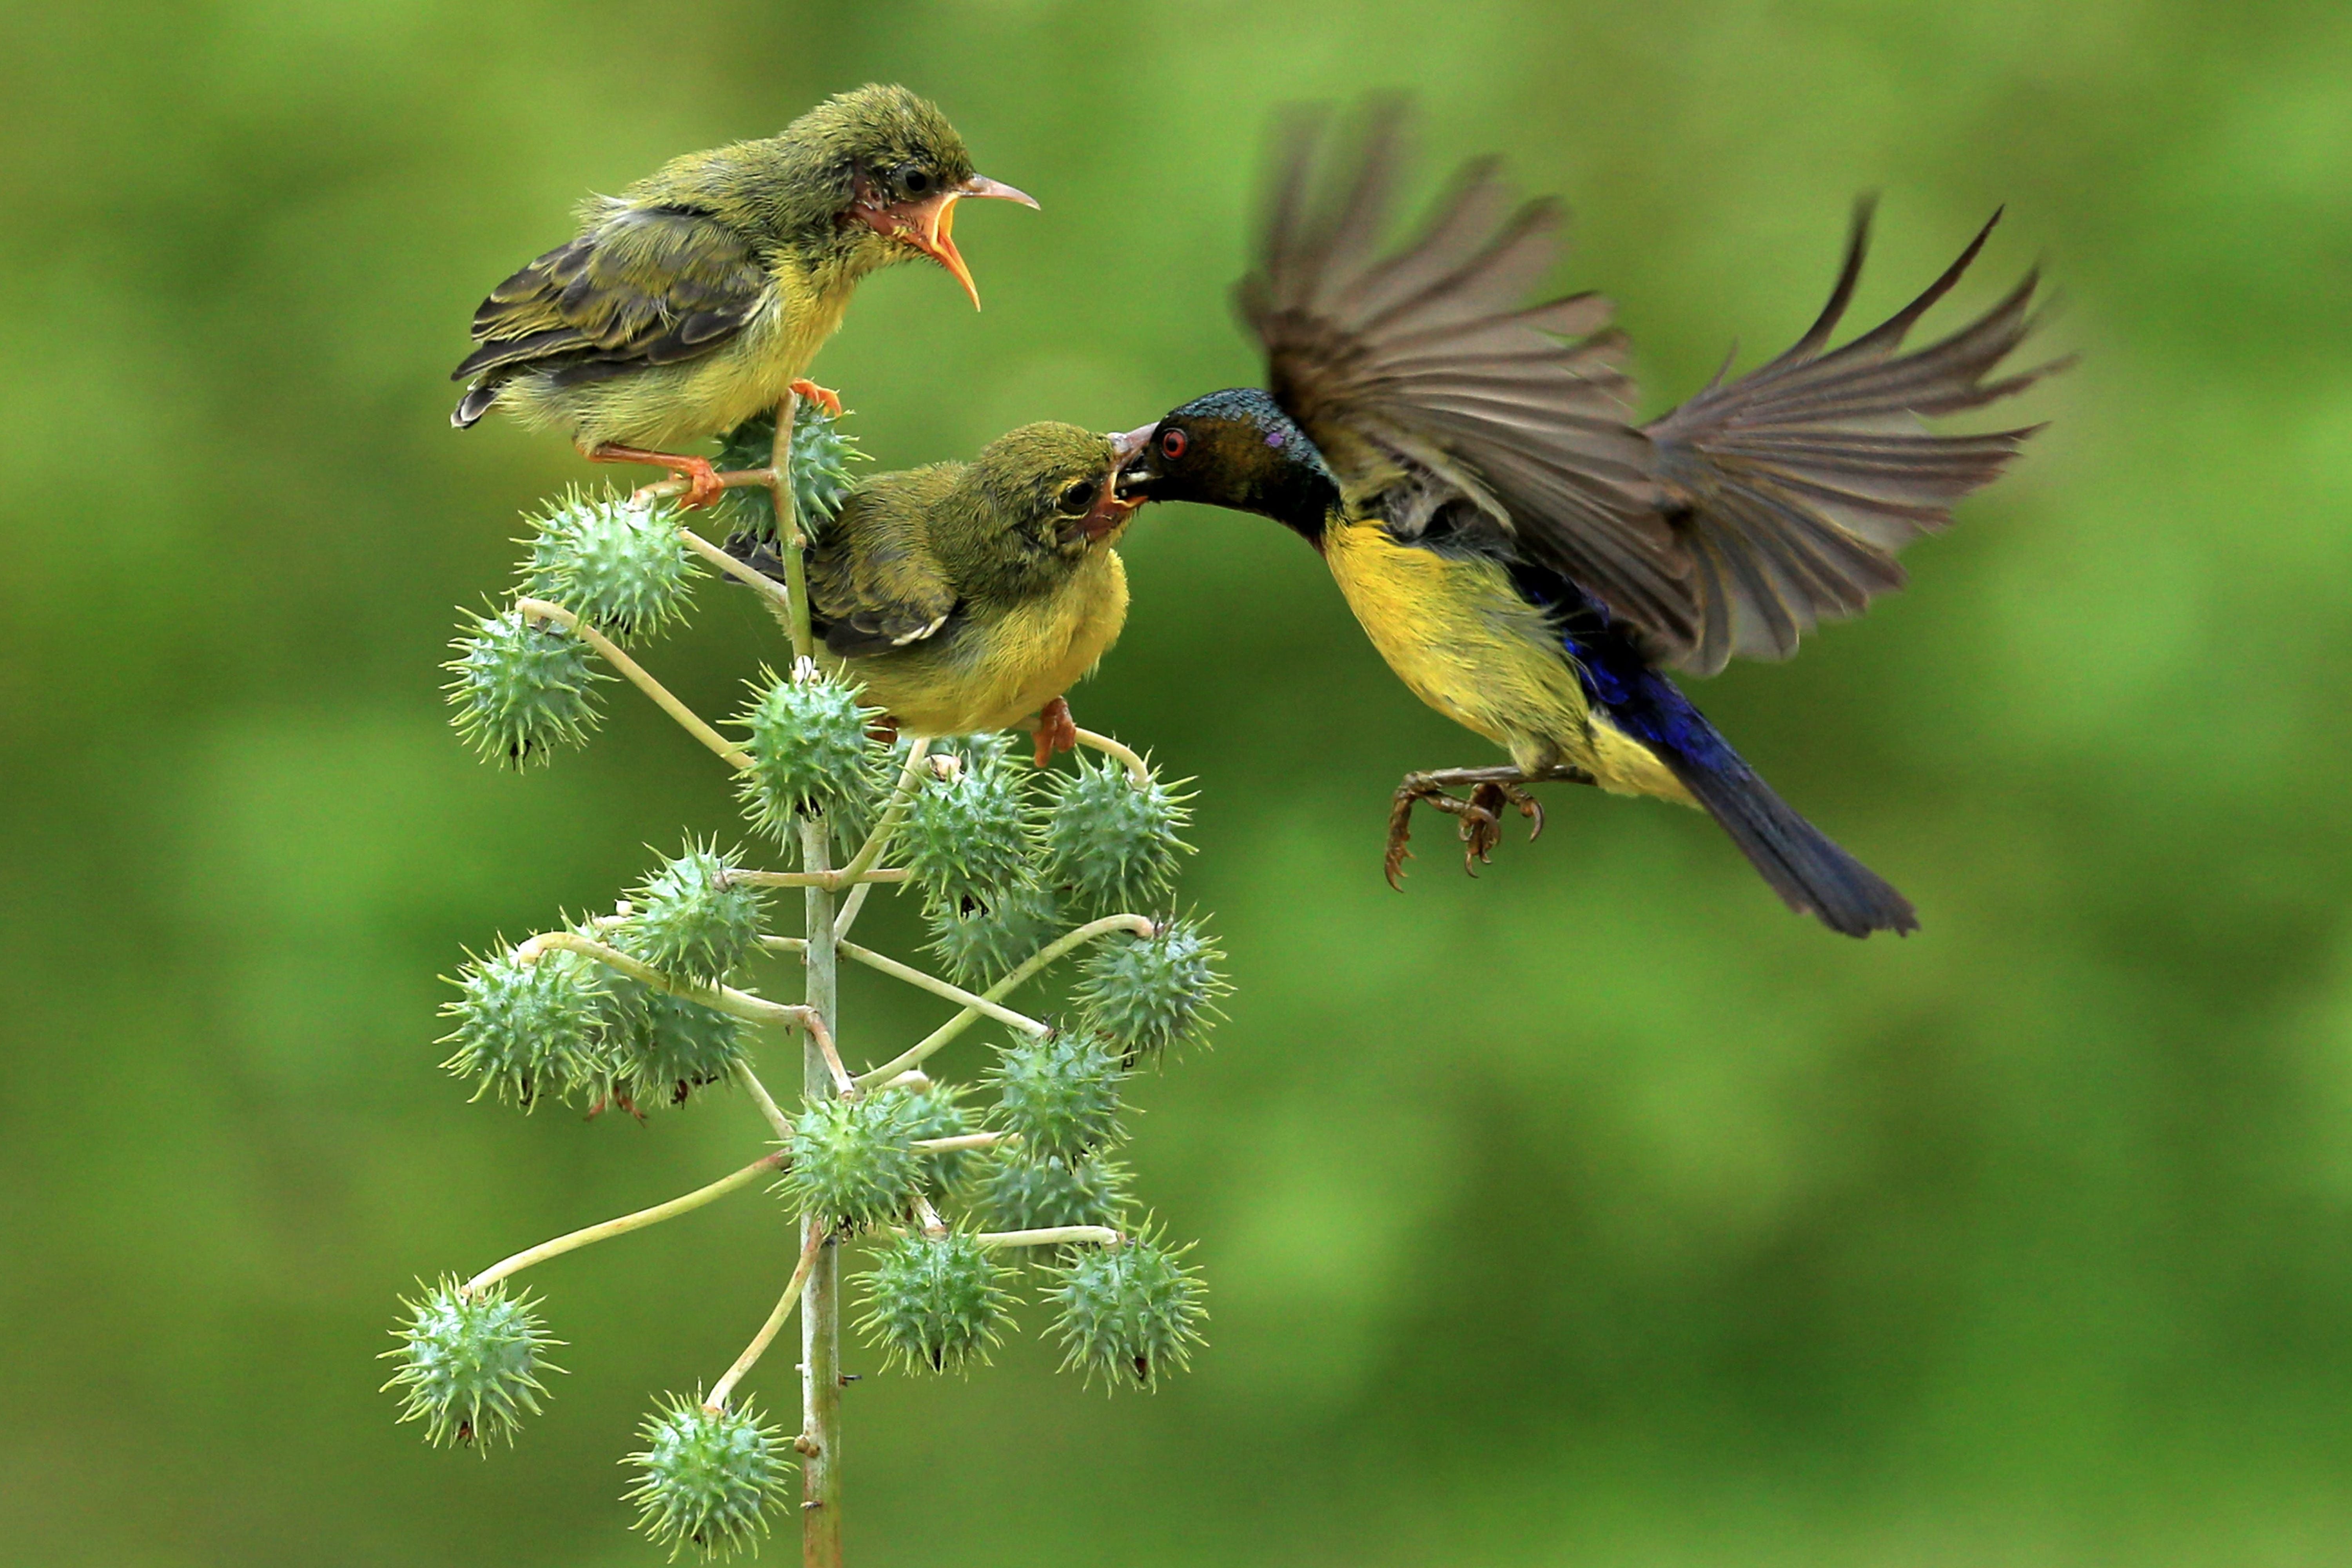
x,y
697,297
1529,561
970,597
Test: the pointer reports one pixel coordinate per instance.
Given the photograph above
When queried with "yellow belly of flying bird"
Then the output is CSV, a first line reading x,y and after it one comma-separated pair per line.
x,y
671,406
1458,634
994,677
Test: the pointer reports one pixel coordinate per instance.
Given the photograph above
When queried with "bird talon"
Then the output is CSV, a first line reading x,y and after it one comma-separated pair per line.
x,y
1056,731
812,393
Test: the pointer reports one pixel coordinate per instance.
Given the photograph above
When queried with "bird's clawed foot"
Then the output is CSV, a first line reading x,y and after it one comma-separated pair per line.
x,y
1491,790
1056,731
810,392
703,485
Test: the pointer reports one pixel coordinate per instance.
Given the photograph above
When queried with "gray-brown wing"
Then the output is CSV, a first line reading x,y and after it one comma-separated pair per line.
x,y
1423,365
1794,486
874,580
644,286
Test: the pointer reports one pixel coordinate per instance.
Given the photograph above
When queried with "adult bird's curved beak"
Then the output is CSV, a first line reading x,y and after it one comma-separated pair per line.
x,y
928,225
1135,472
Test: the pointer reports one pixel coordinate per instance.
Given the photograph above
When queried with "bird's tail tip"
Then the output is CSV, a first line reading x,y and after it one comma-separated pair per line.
x,y
1808,869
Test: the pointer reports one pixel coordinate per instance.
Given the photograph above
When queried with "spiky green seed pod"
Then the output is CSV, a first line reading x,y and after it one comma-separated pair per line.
x,y
820,470
984,940
619,567
851,1161
1113,844
966,840
935,1303
1059,1092
525,1031
468,1365
709,1477
657,1049
939,1112
1153,993
692,919
813,750
1023,1191
1132,1310
522,688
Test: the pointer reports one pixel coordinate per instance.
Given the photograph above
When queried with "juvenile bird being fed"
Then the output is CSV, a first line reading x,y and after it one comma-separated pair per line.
x,y
970,597
697,299
1530,563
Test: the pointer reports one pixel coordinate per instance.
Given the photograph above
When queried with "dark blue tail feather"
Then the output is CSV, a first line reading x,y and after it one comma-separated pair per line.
x,y
1800,862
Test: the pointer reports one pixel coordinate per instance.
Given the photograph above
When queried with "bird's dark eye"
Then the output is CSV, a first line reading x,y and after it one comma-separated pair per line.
x,y
1173,443
915,182
1078,499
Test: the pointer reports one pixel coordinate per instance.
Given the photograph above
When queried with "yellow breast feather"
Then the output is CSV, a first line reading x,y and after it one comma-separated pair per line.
x,y
1459,633
1005,665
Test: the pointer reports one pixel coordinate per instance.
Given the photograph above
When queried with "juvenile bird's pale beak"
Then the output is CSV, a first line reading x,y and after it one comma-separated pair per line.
x,y
929,225
1113,507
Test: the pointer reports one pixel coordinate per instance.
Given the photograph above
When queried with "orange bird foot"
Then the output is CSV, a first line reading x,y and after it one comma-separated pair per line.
x,y
811,391
1056,731
703,485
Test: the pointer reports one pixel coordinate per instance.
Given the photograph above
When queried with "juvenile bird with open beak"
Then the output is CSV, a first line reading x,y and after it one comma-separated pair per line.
x,y
1529,562
698,298
970,597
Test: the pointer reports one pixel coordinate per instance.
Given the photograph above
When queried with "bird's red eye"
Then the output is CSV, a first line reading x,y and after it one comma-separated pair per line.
x,y
1171,443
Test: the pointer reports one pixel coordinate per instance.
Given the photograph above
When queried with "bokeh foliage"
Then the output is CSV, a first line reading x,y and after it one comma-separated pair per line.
x,y
1597,1212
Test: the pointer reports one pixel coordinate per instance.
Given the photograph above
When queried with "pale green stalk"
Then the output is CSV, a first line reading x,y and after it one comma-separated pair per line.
x,y
688,719
922,1049
589,1236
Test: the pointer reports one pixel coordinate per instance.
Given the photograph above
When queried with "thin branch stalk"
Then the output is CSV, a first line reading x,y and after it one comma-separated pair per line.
x,y
1138,772
688,719
953,992
588,1236
1053,1235
717,1398
718,998
764,1100
832,882
921,1050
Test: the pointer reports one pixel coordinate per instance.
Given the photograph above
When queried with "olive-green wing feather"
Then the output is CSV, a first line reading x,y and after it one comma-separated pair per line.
x,y
1422,369
1793,487
874,582
643,286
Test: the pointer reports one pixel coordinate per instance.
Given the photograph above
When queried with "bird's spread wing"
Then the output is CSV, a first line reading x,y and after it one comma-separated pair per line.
x,y
1421,368
644,286
1793,487
874,580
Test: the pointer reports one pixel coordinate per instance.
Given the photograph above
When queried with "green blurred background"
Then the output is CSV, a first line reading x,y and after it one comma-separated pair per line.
x,y
1597,1212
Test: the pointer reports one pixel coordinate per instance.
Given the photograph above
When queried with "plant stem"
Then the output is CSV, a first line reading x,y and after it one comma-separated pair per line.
x,y
921,1049
717,1398
953,992
788,544
718,998
1138,772
820,1439
589,1236
688,719
1098,1234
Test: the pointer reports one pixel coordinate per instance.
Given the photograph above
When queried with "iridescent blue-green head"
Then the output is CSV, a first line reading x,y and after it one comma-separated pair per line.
x,y
1236,450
